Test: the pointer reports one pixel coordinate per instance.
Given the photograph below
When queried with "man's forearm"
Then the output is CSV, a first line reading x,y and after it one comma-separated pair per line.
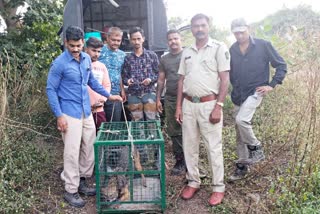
x,y
179,92
160,86
224,84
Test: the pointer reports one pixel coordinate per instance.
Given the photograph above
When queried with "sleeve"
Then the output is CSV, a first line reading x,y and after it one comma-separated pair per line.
x,y
53,83
161,66
96,86
155,68
106,80
278,63
223,58
125,74
231,67
182,66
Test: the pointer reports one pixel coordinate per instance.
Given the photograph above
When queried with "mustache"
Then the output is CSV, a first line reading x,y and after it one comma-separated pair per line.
x,y
200,33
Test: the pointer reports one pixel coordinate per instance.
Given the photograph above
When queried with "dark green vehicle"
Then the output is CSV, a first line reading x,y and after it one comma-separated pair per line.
x,y
99,15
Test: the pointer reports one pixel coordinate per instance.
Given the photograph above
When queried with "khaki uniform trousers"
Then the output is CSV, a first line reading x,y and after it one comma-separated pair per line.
x,y
243,115
78,155
195,124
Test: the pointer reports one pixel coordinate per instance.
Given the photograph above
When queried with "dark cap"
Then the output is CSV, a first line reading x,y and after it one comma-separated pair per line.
x,y
239,25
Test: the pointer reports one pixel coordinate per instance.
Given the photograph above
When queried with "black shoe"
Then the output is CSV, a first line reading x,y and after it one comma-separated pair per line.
x,y
84,189
74,199
240,172
256,154
179,168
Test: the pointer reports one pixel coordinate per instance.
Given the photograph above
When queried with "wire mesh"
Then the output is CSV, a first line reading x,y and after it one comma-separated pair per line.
x,y
116,131
130,179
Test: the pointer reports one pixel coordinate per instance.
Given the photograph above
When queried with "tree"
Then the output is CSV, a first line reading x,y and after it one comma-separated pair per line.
x,y
286,20
8,11
26,53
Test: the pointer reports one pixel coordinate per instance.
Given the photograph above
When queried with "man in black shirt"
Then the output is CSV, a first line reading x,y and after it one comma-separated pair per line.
x,y
249,76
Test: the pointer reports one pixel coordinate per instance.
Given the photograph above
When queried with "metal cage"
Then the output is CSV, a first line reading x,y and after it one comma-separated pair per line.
x,y
130,167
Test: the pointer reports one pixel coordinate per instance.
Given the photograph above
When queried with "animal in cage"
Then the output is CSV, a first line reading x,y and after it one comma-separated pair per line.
x,y
117,158
122,181
130,167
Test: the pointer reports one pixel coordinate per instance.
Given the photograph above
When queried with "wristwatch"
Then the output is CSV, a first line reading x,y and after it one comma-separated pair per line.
x,y
220,104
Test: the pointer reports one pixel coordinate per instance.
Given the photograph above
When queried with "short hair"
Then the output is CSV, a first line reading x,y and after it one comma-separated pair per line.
x,y
114,30
74,33
172,31
93,42
135,30
200,16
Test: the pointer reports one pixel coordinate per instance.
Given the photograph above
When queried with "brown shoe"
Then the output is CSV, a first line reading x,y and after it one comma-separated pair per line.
x,y
188,192
216,198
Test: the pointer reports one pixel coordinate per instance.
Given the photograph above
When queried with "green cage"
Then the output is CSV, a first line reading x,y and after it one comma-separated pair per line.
x,y
130,167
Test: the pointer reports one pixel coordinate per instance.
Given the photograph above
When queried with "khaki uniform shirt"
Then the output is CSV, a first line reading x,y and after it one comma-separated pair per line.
x,y
201,68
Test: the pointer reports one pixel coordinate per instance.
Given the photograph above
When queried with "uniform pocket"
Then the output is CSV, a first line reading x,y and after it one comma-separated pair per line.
x,y
209,65
188,66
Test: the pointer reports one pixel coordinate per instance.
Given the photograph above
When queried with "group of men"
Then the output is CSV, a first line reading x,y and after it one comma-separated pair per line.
x,y
196,81
204,72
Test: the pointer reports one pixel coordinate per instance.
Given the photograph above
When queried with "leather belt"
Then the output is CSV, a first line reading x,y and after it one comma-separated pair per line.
x,y
203,99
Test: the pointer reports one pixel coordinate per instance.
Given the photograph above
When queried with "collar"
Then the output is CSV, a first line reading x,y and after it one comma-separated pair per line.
x,y
251,41
143,52
109,49
209,44
70,57
236,46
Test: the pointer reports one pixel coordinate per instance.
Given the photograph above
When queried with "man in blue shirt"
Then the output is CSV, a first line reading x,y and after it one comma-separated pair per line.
x,y
67,92
249,76
113,59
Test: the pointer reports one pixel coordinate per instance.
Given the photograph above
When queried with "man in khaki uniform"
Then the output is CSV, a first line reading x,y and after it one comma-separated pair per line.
x,y
202,87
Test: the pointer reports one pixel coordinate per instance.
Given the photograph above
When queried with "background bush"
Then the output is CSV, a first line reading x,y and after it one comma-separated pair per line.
x,y
25,56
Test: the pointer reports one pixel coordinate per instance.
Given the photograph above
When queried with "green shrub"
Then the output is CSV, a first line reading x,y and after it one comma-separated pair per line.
x,y
25,57
23,167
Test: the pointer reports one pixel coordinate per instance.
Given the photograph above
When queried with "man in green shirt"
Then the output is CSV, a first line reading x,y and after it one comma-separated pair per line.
x,y
168,73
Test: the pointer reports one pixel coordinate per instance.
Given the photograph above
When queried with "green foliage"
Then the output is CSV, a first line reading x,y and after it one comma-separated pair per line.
x,y
22,169
7,5
25,57
287,20
305,202
287,122
43,11
177,22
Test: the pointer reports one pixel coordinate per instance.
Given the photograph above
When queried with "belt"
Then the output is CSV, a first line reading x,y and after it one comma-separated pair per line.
x,y
203,99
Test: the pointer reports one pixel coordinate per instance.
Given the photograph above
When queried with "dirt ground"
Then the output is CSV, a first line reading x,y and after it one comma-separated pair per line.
x,y
245,196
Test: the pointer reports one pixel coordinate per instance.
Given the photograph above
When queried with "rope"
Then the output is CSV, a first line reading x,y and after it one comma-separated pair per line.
x,y
130,137
112,111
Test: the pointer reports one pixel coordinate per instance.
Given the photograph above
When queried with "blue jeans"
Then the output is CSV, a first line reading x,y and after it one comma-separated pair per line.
x,y
142,107
108,106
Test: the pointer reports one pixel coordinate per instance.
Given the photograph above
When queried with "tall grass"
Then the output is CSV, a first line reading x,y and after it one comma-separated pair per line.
x,y
23,163
288,125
